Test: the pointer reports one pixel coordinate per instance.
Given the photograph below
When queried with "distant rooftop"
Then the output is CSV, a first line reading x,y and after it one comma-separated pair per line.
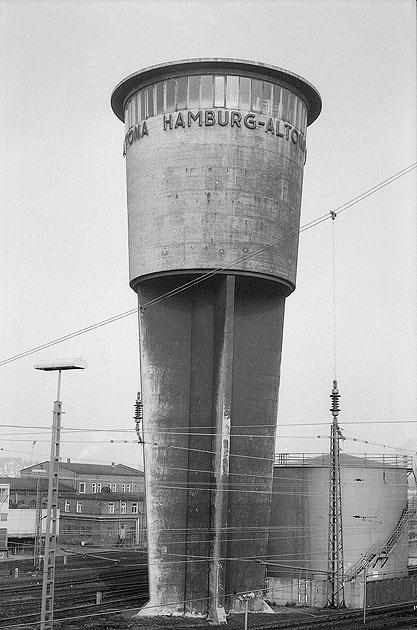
x,y
115,470
322,460
106,496
30,484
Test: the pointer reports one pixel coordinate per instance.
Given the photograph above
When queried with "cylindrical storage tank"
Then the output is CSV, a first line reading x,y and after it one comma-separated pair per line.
x,y
374,501
215,151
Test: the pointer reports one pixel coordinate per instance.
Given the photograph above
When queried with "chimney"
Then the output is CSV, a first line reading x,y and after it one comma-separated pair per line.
x,y
68,460
113,464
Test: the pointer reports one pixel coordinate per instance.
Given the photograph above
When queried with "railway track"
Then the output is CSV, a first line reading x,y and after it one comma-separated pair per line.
x,y
382,618
120,584
123,583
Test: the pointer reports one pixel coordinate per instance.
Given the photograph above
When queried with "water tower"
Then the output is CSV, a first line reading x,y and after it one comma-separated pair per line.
x,y
215,152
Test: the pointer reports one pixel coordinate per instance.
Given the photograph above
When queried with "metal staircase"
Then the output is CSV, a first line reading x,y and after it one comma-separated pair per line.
x,y
381,551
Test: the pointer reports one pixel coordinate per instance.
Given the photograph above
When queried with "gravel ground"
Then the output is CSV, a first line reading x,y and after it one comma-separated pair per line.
x,y
127,622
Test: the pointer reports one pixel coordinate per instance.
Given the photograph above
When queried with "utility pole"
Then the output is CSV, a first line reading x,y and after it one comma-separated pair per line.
x,y
335,584
37,550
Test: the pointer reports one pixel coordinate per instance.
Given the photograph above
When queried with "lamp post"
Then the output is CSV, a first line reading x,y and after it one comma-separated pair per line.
x,y
246,597
48,581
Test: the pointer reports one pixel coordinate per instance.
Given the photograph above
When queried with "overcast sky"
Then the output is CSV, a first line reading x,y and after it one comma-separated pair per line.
x,y
64,226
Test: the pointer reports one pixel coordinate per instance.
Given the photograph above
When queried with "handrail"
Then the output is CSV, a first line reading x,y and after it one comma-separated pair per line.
x,y
346,461
383,550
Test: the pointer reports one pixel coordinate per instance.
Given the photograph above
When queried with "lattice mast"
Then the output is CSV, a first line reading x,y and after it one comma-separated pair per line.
x,y
335,583
37,550
48,583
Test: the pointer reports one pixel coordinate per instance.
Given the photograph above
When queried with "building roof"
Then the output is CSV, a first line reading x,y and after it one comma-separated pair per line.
x,y
119,470
145,77
106,496
29,484
115,470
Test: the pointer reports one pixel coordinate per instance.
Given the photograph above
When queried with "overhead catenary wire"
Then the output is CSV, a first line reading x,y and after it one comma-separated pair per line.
x,y
209,274
168,430
333,215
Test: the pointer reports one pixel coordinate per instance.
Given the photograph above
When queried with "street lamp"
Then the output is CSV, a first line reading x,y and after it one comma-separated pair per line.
x,y
48,581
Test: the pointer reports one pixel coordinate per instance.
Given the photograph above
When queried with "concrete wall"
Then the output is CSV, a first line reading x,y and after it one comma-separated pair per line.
x,y
22,523
197,201
210,375
309,592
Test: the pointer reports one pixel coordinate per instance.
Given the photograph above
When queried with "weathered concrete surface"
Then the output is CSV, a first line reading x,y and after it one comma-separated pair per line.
x,y
202,198
222,420
210,376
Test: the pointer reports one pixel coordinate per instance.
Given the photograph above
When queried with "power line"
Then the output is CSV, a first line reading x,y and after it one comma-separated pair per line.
x,y
238,426
211,273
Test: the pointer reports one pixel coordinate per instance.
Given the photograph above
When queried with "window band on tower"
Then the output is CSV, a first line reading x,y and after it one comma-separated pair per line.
x,y
216,91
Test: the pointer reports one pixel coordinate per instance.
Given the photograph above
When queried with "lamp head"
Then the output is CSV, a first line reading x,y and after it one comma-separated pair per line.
x,y
62,364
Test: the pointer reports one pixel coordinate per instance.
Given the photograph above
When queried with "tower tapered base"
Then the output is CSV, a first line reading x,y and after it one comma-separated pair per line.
x,y
210,360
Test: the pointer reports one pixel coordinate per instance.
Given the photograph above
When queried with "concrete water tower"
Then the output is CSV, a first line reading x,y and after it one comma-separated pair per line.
x,y
215,151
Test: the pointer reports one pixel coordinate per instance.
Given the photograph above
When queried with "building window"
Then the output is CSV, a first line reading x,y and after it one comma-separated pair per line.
x,y
128,487
114,487
95,487
277,98
111,508
169,95
181,92
149,102
193,92
81,487
207,90
219,84
159,96
135,508
123,487
67,506
123,507
79,507
267,99
99,487
232,92
244,93
256,95
109,485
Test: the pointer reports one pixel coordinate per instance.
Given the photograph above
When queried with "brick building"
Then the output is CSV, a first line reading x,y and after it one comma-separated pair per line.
x,y
103,519
101,505
92,478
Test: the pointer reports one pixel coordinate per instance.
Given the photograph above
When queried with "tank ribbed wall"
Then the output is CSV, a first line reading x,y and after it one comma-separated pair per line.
x,y
373,498
212,186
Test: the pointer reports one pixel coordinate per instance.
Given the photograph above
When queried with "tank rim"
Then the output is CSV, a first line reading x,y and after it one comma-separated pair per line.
x,y
161,71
